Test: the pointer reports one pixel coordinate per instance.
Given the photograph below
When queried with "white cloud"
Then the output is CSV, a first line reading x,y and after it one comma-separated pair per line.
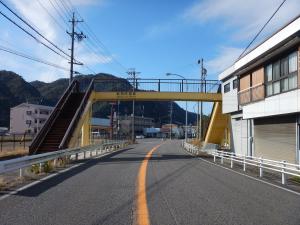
x,y
225,58
246,17
32,12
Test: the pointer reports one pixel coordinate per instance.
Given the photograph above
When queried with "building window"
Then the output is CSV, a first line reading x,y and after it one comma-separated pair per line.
x,y
28,112
226,87
281,76
235,84
35,120
28,121
45,112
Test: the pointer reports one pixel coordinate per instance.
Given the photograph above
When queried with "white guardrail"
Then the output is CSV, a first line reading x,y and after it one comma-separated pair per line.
x,y
282,167
27,161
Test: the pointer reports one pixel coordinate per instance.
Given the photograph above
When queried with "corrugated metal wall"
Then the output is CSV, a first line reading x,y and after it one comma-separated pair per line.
x,y
275,138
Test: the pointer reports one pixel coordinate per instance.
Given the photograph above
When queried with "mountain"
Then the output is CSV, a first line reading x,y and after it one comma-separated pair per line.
x,y
15,90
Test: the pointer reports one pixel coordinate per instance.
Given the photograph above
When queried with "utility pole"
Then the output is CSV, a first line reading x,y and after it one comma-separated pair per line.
x,y
132,74
203,76
74,35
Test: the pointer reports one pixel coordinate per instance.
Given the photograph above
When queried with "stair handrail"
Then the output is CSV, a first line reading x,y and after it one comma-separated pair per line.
x,y
40,136
76,117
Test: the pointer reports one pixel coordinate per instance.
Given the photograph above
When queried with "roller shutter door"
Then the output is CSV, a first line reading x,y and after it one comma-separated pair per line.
x,y
275,138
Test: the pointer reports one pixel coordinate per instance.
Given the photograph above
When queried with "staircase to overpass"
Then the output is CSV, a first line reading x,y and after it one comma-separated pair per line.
x,y
69,123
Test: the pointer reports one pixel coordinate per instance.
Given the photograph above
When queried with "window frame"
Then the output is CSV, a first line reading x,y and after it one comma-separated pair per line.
x,y
281,77
235,84
225,86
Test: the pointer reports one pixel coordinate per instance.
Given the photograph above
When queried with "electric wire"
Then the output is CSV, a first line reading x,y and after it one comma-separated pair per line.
x,y
35,30
52,17
263,27
93,38
31,35
23,55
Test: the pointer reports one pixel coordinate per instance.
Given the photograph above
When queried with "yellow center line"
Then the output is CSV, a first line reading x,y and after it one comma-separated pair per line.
x,y
141,211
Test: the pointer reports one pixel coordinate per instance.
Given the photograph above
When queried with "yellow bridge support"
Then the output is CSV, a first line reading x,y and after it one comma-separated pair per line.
x,y
218,131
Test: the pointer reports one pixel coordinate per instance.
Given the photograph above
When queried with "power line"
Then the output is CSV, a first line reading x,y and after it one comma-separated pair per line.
x,y
59,13
263,27
96,40
31,35
52,17
23,55
24,21
95,47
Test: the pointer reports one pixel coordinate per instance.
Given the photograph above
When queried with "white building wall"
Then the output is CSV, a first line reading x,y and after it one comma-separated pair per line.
x,y
230,99
280,104
19,116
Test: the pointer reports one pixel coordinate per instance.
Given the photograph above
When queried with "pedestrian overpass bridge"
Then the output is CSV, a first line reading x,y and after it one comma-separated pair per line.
x,y
69,123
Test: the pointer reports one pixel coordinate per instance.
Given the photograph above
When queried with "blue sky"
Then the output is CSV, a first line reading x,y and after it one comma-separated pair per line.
x,y
155,37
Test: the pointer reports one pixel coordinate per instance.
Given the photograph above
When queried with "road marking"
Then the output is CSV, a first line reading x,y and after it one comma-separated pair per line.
x,y
141,210
248,176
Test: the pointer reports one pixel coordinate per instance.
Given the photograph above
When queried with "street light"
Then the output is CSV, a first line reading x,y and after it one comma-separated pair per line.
x,y
186,114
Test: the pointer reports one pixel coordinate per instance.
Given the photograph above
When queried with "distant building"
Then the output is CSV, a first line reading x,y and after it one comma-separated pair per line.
x,y
152,132
177,132
28,118
125,123
100,127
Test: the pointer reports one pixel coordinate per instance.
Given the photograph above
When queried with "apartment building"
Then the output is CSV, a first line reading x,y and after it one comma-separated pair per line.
x,y
261,94
28,118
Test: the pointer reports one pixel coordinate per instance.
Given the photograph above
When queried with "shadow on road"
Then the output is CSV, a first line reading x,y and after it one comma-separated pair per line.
x,y
157,157
45,185
127,157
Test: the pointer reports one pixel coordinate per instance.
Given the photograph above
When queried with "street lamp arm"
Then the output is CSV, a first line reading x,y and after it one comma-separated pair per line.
x,y
174,74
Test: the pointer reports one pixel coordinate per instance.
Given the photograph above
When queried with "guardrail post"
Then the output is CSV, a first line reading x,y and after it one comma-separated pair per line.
x,y
54,163
283,176
40,168
244,164
260,167
20,172
214,156
222,158
76,156
84,154
231,162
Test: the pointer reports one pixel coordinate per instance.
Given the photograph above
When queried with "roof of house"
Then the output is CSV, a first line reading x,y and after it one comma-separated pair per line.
x,y
24,104
278,37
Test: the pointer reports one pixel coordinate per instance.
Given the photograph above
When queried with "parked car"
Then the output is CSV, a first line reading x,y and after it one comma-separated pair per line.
x,y
140,136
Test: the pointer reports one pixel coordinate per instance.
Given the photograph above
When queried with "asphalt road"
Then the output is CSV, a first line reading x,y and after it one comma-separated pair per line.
x,y
180,189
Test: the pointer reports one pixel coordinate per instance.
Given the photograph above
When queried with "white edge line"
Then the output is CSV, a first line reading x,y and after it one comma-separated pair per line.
x,y
53,175
248,176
